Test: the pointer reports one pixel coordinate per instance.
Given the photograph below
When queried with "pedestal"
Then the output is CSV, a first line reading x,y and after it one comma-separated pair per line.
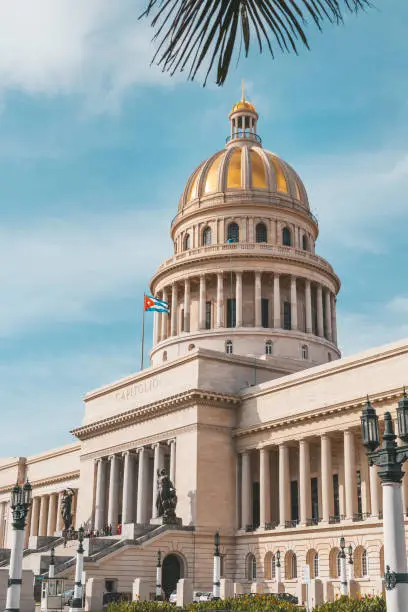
x,y
94,594
184,592
226,588
257,587
140,590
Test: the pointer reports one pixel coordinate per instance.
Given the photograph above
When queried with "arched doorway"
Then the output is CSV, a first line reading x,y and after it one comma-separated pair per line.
x,y
171,573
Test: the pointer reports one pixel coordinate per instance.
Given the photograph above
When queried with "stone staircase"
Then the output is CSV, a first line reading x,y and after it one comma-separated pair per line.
x,y
50,543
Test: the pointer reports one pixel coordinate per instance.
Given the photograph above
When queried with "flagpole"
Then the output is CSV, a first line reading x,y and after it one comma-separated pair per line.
x,y
142,355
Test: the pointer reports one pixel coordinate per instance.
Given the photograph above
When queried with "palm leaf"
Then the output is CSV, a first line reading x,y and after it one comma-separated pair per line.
x,y
194,33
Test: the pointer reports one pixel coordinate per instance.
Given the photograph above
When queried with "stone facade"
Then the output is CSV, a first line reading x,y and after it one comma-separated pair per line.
x,y
246,403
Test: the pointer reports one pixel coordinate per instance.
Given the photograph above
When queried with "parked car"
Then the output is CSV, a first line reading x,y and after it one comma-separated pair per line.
x,y
288,597
196,596
207,596
173,597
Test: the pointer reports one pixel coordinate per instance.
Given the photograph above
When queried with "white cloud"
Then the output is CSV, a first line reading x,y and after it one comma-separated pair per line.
x,y
62,269
97,48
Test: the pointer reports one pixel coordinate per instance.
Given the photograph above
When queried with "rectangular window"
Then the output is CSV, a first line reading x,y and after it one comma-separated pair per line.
x,y
287,316
294,501
314,489
256,517
231,313
359,501
265,312
336,495
208,315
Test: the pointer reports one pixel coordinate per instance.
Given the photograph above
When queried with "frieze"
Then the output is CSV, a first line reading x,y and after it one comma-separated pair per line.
x,y
136,389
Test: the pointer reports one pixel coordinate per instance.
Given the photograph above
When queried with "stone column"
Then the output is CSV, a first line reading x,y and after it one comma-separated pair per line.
x,y
258,299
319,309
327,478
328,315
246,490
172,475
220,299
52,515
142,484
113,504
128,488
187,305
2,517
293,303
174,310
264,486
35,513
202,302
42,531
156,329
350,478
164,317
100,496
276,302
374,491
333,314
283,484
238,298
308,301
304,482
158,465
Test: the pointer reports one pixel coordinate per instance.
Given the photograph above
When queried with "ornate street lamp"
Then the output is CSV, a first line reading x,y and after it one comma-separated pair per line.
x,y
159,577
278,571
217,567
20,502
343,568
389,458
77,600
350,562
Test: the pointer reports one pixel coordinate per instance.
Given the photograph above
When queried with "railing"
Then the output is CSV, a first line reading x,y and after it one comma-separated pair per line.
x,y
247,246
292,523
271,525
361,516
336,519
380,515
311,522
250,528
244,134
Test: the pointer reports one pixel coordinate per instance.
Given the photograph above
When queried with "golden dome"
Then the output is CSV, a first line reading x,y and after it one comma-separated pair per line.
x,y
243,105
246,167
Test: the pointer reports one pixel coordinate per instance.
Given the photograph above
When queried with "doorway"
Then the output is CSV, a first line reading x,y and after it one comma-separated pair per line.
x,y
171,574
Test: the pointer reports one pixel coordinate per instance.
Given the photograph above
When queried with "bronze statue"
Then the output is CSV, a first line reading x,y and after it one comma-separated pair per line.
x,y
166,500
66,507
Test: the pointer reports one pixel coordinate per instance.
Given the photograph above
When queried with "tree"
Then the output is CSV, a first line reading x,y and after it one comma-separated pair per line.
x,y
192,33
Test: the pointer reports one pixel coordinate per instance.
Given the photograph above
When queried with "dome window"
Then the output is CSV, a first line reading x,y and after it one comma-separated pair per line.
x,y
187,242
268,347
228,347
207,236
164,355
305,245
305,351
286,237
233,232
261,233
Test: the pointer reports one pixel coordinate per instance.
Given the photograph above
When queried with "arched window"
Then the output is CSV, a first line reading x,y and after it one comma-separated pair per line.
x,y
270,566
334,563
316,565
360,562
286,237
261,234
207,236
338,564
175,247
268,347
187,242
305,351
233,232
251,567
290,565
312,560
228,347
305,244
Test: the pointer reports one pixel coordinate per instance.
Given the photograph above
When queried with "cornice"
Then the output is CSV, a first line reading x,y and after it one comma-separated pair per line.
x,y
57,452
154,409
150,440
46,481
318,414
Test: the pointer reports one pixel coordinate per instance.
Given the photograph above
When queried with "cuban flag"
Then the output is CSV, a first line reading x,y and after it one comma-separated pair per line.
x,y
152,304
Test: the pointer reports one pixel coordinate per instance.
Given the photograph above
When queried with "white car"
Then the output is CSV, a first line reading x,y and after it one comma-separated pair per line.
x,y
196,596
173,597
206,596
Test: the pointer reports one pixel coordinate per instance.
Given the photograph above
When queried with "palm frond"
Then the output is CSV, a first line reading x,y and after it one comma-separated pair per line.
x,y
194,33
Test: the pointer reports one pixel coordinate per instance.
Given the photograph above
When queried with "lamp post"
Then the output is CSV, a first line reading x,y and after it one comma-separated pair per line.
x,y
51,567
20,503
159,577
278,568
343,569
77,600
217,567
389,458
350,563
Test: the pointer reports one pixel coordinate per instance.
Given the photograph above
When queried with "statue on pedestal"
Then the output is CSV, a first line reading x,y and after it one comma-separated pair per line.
x,y
166,500
66,508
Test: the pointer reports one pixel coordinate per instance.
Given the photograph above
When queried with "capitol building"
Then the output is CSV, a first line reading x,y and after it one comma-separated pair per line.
x,y
247,403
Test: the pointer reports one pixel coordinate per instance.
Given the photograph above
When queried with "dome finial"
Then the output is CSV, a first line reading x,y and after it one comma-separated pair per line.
x,y
243,90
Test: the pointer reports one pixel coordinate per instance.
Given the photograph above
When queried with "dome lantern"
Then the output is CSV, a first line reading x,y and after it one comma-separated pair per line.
x,y
243,121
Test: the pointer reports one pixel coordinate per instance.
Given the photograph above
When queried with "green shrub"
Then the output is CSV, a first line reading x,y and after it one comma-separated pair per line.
x,y
344,604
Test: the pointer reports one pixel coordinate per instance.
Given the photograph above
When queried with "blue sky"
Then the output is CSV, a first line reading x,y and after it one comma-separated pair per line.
x,y
95,149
